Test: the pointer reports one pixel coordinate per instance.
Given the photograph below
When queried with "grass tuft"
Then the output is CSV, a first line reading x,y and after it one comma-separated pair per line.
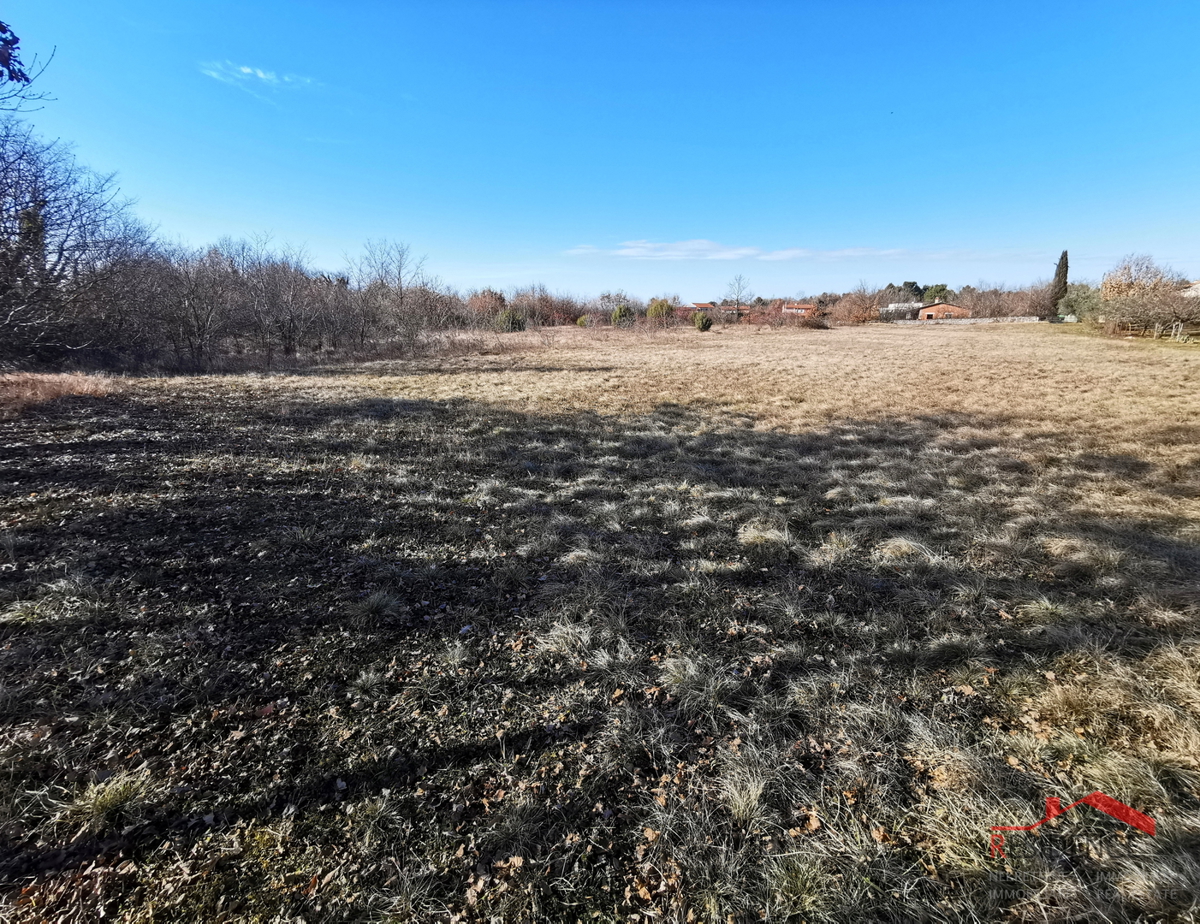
x,y
122,800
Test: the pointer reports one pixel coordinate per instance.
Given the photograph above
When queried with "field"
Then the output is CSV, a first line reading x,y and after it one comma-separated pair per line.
x,y
615,626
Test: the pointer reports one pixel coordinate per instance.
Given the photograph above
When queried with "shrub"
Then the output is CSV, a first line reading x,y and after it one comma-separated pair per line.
x,y
1083,301
487,302
660,310
622,316
583,321
509,321
702,321
859,306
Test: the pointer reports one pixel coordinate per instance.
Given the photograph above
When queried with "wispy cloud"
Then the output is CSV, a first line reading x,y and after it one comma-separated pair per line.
x,y
846,253
701,249
253,79
679,250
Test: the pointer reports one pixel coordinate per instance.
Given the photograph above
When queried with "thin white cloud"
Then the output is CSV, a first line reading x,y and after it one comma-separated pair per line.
x,y
682,250
791,253
701,249
251,79
846,253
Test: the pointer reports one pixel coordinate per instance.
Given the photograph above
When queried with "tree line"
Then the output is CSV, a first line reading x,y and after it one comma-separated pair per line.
x,y
83,281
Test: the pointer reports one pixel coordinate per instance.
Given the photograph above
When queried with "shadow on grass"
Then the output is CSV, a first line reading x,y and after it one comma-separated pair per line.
x,y
507,635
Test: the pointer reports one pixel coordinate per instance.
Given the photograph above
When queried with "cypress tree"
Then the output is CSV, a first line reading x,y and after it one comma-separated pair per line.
x,y
1058,287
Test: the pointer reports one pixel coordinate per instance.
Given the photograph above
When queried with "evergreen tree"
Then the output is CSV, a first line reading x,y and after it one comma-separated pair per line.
x,y
15,75
939,293
1058,287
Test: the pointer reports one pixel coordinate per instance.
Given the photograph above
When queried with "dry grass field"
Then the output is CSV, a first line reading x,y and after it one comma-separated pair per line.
x,y
611,626
19,391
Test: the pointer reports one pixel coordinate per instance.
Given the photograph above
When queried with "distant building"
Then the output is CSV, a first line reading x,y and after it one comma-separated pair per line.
x,y
1192,291
802,309
901,311
700,306
940,311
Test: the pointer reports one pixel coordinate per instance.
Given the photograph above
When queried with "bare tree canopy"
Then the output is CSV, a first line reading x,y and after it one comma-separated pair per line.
x,y
60,224
1139,274
738,293
1140,295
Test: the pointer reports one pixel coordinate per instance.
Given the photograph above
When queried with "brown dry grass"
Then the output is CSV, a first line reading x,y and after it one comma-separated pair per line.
x,y
21,390
796,378
1119,396
727,626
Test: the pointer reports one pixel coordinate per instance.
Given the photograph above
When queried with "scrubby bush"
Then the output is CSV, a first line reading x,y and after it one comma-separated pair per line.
x,y
702,321
1081,300
487,303
584,321
608,302
622,316
859,306
660,311
509,321
540,307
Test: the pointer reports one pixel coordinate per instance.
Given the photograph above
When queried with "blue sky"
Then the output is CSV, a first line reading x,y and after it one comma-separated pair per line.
x,y
655,146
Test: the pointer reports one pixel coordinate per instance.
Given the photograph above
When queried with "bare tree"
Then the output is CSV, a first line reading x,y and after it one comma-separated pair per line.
x,y
738,293
285,284
116,308
1155,312
59,224
395,293
1139,294
1138,274
988,300
335,311
858,306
